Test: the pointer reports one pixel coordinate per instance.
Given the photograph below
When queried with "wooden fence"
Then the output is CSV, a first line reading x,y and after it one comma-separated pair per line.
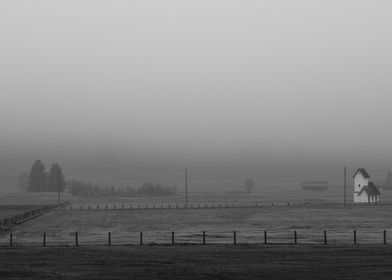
x,y
8,222
203,239
242,204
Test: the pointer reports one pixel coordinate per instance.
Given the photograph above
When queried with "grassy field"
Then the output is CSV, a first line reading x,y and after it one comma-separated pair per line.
x,y
198,262
250,259
188,224
10,210
276,194
31,198
20,202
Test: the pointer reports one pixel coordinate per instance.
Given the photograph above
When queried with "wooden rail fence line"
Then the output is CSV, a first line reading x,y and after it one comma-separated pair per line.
x,y
8,222
203,240
215,205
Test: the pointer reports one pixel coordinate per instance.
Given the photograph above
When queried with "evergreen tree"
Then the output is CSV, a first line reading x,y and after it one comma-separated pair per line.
x,y
37,181
56,178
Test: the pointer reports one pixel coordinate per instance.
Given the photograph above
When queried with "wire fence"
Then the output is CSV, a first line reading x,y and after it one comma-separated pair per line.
x,y
333,236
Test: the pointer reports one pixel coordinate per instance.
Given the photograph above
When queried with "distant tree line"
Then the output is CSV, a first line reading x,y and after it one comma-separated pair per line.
x,y
39,180
80,188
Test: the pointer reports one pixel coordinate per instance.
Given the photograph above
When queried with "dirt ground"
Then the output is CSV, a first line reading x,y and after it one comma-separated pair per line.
x,y
197,262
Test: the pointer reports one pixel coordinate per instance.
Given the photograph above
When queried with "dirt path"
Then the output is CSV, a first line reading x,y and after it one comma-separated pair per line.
x,y
197,262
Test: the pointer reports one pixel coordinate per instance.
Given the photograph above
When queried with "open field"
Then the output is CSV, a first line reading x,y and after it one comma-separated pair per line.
x,y
219,223
11,210
263,195
249,259
266,195
32,198
198,262
12,204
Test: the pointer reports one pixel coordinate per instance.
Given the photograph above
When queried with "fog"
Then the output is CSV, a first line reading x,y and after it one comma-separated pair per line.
x,y
132,91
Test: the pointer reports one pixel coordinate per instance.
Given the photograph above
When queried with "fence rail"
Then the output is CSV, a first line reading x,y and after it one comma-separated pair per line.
x,y
7,223
325,237
143,206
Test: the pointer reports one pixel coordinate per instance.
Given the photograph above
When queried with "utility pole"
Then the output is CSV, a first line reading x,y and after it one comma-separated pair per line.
x,y
186,188
345,185
58,178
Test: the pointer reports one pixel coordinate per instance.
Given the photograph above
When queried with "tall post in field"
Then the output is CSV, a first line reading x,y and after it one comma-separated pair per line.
x,y
58,175
186,188
385,236
345,185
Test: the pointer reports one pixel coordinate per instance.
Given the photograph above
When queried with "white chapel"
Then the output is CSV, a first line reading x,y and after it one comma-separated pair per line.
x,y
365,191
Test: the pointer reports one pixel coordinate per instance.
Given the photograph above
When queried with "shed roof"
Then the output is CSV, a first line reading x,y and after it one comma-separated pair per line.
x,y
370,189
363,172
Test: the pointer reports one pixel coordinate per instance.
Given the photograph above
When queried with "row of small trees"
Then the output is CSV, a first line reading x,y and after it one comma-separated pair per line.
x,y
39,180
80,188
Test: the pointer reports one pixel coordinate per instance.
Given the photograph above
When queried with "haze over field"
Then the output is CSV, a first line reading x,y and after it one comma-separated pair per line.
x,y
129,91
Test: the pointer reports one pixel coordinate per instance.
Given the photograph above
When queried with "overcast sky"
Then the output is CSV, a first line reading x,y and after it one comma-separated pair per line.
x,y
249,86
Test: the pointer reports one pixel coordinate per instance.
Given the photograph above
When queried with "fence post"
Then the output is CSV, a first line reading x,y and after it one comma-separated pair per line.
x,y
265,237
355,237
295,237
204,238
235,238
172,237
141,238
76,239
10,239
325,237
109,239
385,236
44,240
